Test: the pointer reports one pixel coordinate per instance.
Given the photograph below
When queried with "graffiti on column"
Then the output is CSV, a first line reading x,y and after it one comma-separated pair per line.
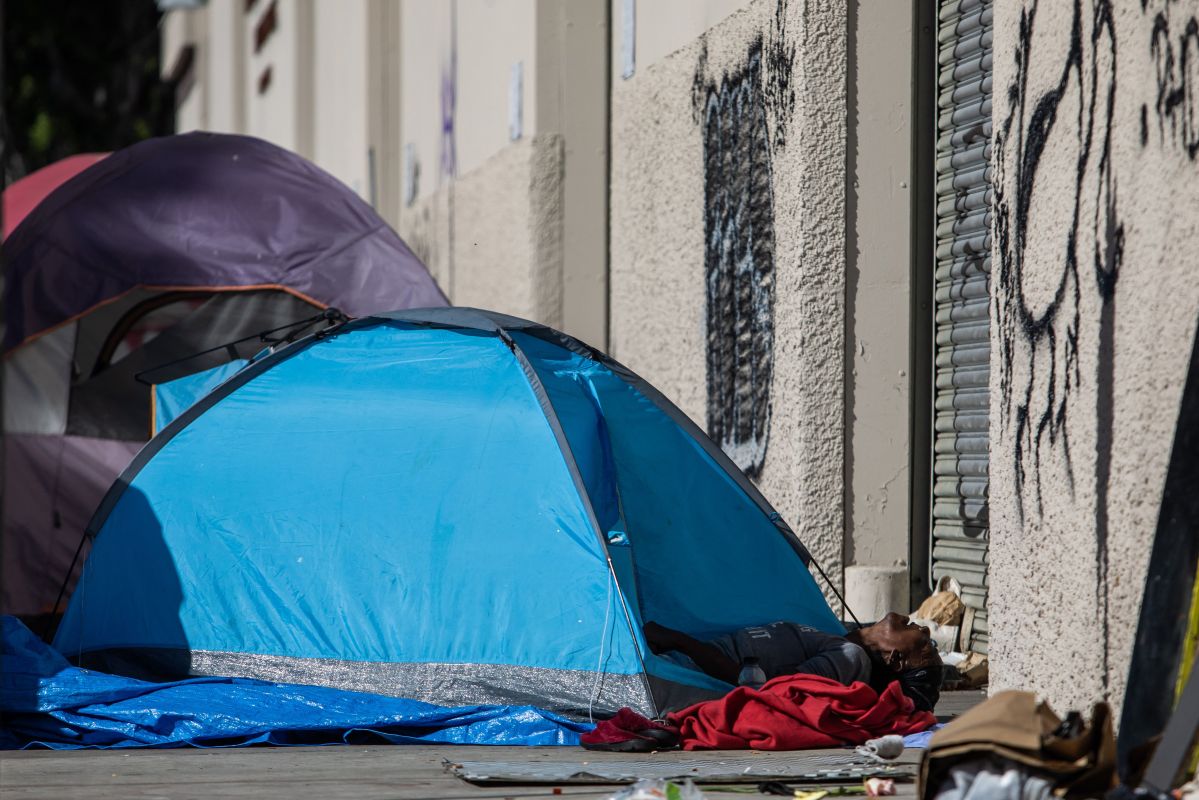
x,y
1174,50
1039,322
449,102
742,118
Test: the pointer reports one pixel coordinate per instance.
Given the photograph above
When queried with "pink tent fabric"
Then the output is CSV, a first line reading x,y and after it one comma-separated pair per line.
x,y
24,195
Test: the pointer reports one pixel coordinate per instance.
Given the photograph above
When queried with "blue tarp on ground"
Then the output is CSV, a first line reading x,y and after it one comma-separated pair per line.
x,y
45,702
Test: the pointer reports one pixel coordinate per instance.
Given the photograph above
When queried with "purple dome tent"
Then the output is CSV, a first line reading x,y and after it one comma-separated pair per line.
x,y
161,251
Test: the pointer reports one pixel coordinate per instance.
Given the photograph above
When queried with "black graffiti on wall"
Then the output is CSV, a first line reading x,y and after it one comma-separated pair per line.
x,y
1174,50
1040,324
1043,327
743,119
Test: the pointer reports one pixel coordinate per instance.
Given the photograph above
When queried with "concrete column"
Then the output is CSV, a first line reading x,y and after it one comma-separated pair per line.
x,y
1093,319
303,63
225,66
340,100
383,108
571,84
877,299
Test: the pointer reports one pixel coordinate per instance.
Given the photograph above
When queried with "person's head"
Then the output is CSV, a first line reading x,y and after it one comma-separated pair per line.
x,y
900,650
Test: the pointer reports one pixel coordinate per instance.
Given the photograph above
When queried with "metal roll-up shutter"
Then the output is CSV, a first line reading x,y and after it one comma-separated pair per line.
x,y
962,306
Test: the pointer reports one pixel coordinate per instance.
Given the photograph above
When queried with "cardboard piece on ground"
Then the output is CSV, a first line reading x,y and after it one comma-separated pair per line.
x,y
943,608
822,767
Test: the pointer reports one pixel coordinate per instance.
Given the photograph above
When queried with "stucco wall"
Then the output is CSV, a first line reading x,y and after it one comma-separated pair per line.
x,y
1095,305
728,247
493,239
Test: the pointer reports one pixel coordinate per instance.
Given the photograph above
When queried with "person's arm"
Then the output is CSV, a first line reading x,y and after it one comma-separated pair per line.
x,y
835,658
706,656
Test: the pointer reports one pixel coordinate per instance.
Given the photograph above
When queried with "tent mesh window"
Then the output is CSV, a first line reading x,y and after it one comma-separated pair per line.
x,y
962,305
163,336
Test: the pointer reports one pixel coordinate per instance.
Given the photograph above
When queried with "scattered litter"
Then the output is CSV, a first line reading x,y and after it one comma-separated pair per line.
x,y
657,789
780,789
974,670
802,795
879,787
951,626
944,615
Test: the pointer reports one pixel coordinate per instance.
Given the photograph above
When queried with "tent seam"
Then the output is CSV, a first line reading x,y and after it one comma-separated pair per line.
x,y
551,416
689,427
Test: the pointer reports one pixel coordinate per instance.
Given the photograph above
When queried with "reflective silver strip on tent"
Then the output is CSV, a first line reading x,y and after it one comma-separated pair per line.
x,y
576,692
962,305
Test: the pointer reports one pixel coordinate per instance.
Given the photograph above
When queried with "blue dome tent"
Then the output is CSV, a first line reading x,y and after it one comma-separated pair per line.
x,y
445,504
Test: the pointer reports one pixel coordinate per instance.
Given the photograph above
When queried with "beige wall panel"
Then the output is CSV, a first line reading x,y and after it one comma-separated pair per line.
x,y
426,94
180,29
224,65
456,93
492,36
383,109
663,26
457,59
272,114
339,124
571,85
176,34
189,115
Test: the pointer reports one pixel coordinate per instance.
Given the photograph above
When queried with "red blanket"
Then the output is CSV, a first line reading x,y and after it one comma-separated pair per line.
x,y
795,712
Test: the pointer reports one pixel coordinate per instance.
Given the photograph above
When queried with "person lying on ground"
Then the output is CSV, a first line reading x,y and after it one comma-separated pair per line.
x,y
892,649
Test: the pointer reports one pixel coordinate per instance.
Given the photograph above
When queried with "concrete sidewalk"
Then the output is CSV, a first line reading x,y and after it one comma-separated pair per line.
x,y
371,772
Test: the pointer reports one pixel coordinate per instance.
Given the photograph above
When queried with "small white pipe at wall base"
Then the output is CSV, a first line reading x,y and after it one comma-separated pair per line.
x,y
874,592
